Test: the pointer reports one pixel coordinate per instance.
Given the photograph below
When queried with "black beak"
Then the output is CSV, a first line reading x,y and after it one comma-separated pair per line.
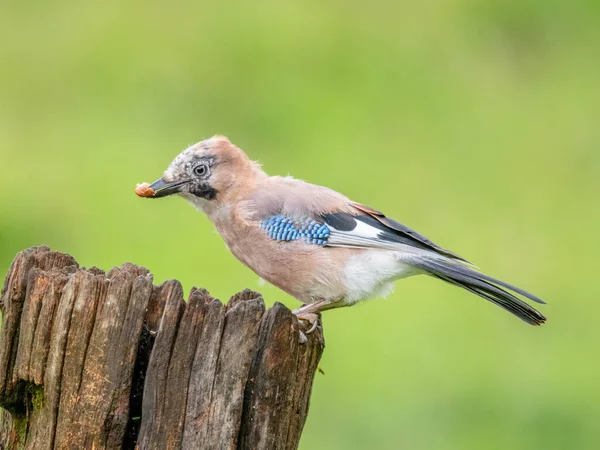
x,y
163,188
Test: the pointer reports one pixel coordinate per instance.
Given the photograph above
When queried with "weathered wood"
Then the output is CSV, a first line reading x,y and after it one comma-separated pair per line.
x,y
202,375
152,432
280,380
107,361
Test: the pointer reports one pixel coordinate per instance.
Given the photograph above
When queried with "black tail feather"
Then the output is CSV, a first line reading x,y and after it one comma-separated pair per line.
x,y
481,285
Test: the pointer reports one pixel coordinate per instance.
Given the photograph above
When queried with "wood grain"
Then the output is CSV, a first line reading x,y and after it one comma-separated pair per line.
x,y
108,361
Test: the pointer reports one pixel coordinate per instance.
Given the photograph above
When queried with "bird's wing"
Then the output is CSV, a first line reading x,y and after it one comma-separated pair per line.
x,y
368,228
290,209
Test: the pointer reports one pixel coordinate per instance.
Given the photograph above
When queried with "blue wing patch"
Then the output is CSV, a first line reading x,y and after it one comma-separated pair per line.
x,y
282,228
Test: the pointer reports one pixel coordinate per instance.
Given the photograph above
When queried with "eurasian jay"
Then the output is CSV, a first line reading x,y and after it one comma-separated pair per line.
x,y
312,242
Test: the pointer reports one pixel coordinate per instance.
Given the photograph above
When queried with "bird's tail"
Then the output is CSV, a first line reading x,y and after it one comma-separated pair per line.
x,y
491,289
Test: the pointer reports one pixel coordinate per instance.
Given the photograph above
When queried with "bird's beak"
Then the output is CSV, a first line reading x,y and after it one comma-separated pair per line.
x,y
164,188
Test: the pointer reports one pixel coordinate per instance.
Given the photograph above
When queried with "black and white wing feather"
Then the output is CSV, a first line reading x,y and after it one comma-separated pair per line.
x,y
369,228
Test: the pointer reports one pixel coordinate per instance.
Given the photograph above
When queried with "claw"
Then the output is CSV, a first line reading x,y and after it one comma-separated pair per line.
x,y
302,339
311,318
313,327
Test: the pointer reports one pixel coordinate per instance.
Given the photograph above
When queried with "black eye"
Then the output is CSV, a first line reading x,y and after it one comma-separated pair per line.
x,y
201,170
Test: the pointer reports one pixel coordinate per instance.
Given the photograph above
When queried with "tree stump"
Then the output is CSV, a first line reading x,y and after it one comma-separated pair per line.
x,y
108,361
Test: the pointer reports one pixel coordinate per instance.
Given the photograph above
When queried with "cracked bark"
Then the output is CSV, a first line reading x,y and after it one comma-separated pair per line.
x,y
110,361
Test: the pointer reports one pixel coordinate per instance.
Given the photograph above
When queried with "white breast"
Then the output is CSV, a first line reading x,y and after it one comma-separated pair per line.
x,y
372,273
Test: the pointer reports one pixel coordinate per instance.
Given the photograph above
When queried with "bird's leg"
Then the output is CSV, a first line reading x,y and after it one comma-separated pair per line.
x,y
312,311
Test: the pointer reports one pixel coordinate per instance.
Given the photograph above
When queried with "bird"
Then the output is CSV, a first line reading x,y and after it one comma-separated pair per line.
x,y
312,242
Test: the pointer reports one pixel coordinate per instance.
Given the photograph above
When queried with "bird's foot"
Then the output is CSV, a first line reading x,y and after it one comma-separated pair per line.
x,y
311,318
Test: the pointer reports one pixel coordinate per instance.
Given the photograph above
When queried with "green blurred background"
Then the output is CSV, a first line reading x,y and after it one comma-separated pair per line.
x,y
474,122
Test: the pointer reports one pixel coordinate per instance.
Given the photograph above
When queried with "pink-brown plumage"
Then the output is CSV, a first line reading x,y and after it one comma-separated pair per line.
x,y
354,253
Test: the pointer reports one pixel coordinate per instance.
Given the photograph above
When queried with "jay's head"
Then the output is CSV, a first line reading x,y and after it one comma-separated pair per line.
x,y
209,173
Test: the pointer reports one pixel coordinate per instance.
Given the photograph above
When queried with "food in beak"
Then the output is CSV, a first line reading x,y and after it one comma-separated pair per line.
x,y
144,190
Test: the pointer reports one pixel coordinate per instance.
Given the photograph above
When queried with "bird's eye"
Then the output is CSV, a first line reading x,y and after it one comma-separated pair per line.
x,y
201,170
